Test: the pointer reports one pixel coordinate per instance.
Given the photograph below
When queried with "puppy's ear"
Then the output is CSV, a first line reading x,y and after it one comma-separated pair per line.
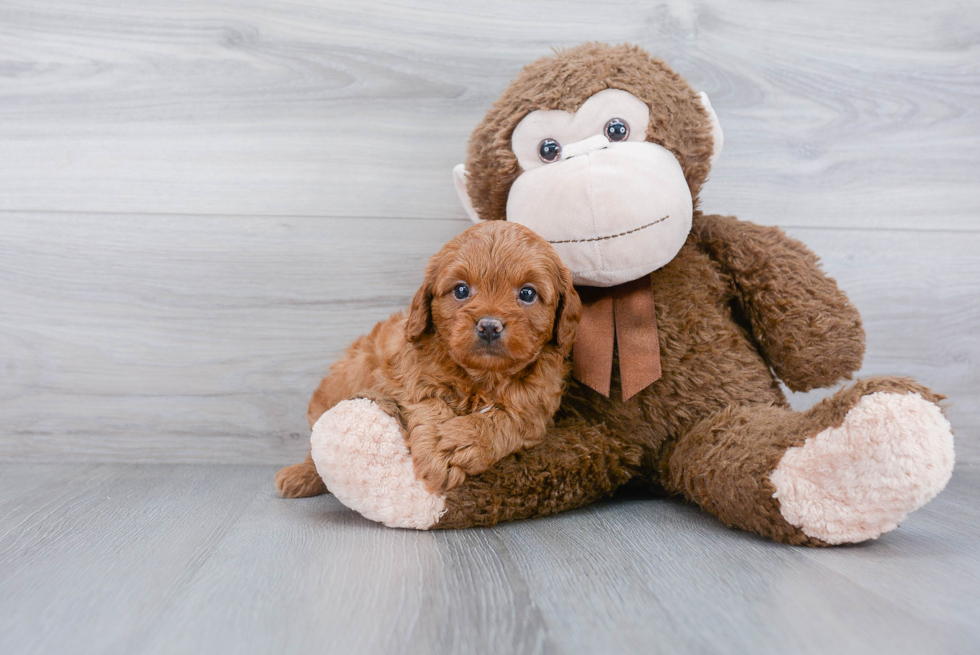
x,y
420,311
568,313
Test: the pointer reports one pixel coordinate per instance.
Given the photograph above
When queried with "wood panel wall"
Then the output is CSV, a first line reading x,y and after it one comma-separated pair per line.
x,y
202,203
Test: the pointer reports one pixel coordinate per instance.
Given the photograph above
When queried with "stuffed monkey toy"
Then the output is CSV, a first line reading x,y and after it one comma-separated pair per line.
x,y
688,322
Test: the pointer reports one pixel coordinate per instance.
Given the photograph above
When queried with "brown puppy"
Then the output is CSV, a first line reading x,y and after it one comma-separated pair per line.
x,y
479,363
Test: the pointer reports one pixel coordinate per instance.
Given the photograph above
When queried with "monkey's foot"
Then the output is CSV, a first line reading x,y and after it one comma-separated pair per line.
x,y
360,453
891,455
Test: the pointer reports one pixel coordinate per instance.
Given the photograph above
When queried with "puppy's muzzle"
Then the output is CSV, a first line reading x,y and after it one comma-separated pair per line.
x,y
489,329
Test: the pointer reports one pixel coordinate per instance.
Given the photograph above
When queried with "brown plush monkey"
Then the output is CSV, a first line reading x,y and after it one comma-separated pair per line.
x,y
603,150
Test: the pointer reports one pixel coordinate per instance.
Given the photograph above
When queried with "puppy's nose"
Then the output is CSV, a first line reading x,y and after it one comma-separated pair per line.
x,y
489,328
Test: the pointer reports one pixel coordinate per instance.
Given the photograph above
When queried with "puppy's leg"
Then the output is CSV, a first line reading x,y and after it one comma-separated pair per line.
x,y
424,421
474,442
300,480
470,444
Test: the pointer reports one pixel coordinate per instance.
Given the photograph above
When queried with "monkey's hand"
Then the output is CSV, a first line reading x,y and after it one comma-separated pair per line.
x,y
805,327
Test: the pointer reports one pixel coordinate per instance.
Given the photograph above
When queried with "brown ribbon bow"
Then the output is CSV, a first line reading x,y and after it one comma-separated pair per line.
x,y
624,314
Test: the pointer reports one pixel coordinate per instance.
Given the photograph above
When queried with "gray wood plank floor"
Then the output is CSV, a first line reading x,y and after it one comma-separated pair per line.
x,y
133,559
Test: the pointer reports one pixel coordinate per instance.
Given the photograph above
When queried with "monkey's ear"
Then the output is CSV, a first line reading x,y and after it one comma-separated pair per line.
x,y
716,134
459,177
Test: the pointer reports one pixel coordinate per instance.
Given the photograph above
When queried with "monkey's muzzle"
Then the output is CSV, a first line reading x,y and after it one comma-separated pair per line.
x,y
627,203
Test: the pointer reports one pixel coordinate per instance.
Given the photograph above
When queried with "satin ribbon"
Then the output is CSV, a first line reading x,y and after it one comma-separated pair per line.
x,y
624,314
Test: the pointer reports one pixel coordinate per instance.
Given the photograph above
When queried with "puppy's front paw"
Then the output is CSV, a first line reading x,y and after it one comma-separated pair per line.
x,y
446,454
431,466
472,458
432,469
466,449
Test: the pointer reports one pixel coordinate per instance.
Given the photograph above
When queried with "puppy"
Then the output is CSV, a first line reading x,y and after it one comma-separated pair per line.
x,y
477,365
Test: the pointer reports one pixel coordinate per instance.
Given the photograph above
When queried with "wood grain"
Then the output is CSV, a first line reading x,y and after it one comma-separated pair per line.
x,y
127,338
836,113
91,553
200,339
205,559
636,575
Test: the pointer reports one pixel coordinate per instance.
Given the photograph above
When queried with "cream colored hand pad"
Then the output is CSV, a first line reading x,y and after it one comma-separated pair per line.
x,y
360,453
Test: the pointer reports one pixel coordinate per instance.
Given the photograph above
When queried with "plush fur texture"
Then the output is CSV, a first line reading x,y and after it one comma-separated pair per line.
x,y
739,306
360,450
807,330
467,400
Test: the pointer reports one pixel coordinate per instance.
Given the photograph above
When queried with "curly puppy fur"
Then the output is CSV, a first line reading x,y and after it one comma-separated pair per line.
x,y
466,401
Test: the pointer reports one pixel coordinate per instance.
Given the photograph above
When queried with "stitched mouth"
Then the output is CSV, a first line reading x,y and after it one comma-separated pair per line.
x,y
614,236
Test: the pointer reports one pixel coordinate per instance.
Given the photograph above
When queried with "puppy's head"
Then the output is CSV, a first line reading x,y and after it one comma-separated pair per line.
x,y
497,296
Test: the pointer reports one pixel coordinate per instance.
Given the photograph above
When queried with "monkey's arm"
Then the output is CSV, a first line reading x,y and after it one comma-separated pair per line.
x,y
359,448
804,325
574,465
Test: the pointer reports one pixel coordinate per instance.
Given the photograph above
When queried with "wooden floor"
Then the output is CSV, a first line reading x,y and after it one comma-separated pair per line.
x,y
206,559
202,203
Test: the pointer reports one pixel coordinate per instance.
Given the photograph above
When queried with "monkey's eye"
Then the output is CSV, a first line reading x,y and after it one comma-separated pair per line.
x,y
549,151
617,130
461,291
527,294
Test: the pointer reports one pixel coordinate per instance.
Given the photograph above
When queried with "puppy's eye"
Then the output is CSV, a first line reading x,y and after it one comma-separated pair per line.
x,y
461,291
527,294
549,151
617,130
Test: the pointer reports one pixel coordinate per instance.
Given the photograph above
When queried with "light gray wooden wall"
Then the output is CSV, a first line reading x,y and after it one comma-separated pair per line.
x,y
202,202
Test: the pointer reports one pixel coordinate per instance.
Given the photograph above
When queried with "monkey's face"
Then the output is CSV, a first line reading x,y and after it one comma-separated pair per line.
x,y
613,205
601,150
